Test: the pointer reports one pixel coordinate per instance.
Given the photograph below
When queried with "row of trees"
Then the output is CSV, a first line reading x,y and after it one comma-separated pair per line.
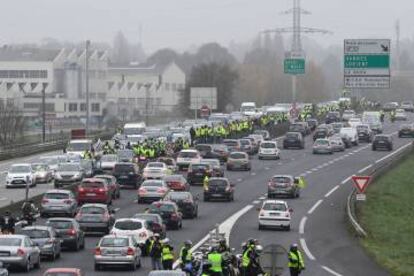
x,y
12,123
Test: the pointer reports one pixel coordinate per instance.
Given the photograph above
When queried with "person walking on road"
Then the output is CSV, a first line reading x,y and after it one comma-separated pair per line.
x,y
296,263
167,255
185,253
155,252
216,260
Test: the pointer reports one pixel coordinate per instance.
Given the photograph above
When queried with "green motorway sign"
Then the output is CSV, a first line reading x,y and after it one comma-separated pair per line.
x,y
294,66
366,61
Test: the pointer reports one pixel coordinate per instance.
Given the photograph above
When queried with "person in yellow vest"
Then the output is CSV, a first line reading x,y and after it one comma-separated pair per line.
x,y
247,257
167,255
155,252
185,253
216,260
296,264
205,182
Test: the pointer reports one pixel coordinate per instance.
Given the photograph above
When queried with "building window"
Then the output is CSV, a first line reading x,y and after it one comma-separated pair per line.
x,y
96,107
83,107
23,74
73,107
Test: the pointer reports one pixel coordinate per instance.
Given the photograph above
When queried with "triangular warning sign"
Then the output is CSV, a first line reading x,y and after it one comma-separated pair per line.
x,y
361,182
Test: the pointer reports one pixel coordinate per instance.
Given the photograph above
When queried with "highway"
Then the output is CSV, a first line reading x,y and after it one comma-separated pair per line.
x,y
318,222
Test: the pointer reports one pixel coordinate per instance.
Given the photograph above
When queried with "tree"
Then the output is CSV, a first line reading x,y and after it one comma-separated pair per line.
x,y
121,50
214,53
11,123
163,57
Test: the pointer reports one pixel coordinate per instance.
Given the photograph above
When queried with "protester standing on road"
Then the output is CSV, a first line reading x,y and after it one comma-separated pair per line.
x,y
167,255
155,251
296,264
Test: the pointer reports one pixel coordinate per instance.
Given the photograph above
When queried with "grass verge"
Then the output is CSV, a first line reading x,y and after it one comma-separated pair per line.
x,y
388,217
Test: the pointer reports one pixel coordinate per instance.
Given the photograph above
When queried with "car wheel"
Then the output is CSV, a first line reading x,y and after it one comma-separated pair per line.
x,y
374,149
260,227
27,266
287,228
97,267
133,267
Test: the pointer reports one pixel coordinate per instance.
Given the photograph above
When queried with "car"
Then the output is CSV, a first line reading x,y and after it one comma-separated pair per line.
x,y
218,188
42,173
207,151
114,250
264,133
167,273
312,123
293,140
63,272
232,144
221,151
20,175
257,137
177,182
45,238
95,217
51,160
269,150
322,146
155,170
400,115
274,213
68,174
255,143
112,184
19,251
155,223
328,127
187,204
406,130
238,161
348,114
69,232
127,174
298,127
382,141
365,133
407,106
125,156
197,172
94,190
186,157
391,106
138,228
247,146
170,162
152,190
169,212
107,163
321,133
336,143
332,117
352,133
58,202
283,185
354,122
337,127
88,166
216,167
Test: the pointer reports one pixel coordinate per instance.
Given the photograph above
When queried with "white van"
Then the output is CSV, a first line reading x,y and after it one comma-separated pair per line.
x,y
134,129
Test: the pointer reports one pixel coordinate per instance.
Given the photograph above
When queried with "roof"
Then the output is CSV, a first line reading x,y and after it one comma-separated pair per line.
x,y
155,69
27,54
59,191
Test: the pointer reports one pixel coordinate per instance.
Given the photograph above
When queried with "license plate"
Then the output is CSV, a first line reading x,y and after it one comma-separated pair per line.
x,y
216,195
90,194
381,142
123,177
4,254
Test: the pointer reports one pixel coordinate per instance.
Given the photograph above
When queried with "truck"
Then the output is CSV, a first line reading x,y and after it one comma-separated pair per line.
x,y
134,129
248,108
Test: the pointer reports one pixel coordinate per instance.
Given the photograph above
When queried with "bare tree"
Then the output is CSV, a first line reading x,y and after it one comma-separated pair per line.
x,y
11,124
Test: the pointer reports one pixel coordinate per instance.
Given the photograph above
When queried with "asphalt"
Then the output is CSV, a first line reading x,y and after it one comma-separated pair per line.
x,y
325,234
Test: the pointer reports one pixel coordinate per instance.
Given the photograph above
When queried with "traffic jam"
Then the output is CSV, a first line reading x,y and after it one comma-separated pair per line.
x,y
172,171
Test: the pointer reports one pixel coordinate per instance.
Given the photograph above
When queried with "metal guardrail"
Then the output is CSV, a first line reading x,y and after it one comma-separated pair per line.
x,y
376,171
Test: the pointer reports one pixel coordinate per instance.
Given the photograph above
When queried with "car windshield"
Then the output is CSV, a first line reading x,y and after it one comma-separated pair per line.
x,y
128,225
109,158
199,166
281,179
68,167
152,184
217,182
147,217
155,165
39,167
36,233
93,210
20,169
114,242
162,208
268,145
56,196
268,206
124,168
60,224
322,142
238,156
10,242
186,154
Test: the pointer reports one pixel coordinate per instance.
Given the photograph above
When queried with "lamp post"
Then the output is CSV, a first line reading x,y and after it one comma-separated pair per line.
x,y
88,43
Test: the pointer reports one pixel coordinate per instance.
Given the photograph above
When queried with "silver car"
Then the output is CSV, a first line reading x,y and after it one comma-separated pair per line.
x,y
117,250
58,202
152,190
41,173
337,144
68,173
45,238
107,163
19,251
322,146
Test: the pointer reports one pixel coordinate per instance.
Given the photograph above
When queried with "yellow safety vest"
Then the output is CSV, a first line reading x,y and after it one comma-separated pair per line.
x,y
166,254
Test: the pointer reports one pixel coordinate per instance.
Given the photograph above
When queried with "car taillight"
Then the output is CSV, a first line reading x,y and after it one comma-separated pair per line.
x,y
44,201
142,191
102,190
67,201
270,184
228,189
130,251
71,232
21,252
81,189
98,251
143,235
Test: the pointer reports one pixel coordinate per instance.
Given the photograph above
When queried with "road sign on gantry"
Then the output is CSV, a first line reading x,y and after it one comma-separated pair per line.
x,y
361,182
294,66
367,63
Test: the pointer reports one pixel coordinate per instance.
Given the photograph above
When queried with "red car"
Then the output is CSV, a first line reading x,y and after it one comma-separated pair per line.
x,y
113,184
94,190
63,271
177,182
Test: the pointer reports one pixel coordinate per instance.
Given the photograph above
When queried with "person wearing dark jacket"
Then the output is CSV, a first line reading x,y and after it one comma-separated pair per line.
x,y
7,223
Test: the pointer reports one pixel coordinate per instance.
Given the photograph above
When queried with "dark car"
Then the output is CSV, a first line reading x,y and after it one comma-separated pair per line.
x,y
222,151
382,141
283,185
95,218
125,155
293,140
365,133
45,238
155,223
169,213
177,182
187,205
312,123
69,231
406,130
197,172
298,127
219,188
127,174
332,117
218,170
207,151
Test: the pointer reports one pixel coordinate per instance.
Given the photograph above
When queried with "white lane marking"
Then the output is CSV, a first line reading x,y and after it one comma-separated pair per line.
x,y
3,198
346,180
314,170
319,167
135,201
253,174
311,210
308,172
303,174
256,202
364,169
331,271
267,168
228,224
262,198
302,225
355,151
331,162
392,153
331,191
306,249
117,209
346,155
239,180
3,172
351,153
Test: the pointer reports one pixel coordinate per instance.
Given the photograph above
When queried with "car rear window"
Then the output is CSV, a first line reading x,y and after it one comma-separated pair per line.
x,y
56,196
155,165
114,242
93,184
147,217
124,168
381,138
128,225
187,154
268,145
60,224
291,135
321,142
203,148
36,233
281,179
199,166
92,210
178,196
245,142
217,182
274,206
162,208
10,242
152,184
238,156
231,143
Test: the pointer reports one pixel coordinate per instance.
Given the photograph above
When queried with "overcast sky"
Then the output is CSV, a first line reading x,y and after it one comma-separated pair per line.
x,y
181,23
